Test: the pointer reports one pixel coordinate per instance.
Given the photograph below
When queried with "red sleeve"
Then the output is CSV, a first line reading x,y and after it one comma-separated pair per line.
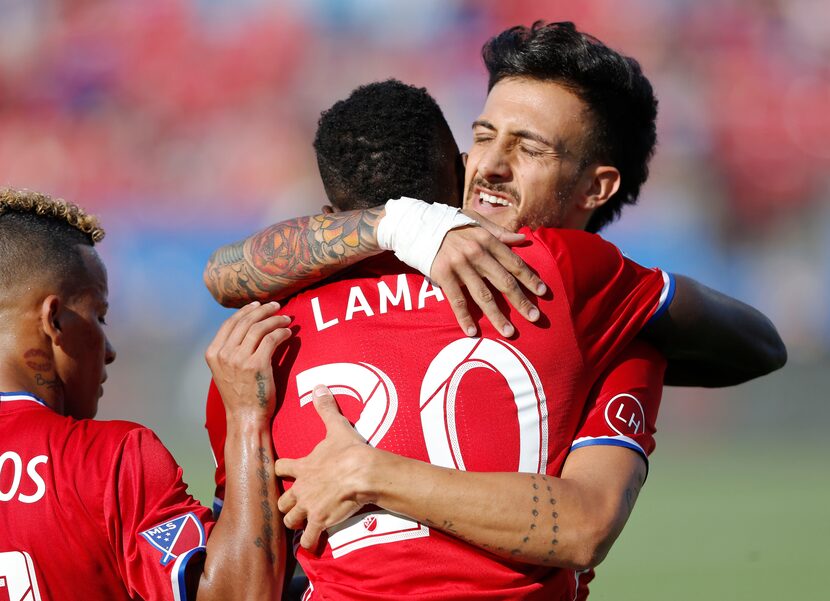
x,y
217,430
624,403
155,527
611,297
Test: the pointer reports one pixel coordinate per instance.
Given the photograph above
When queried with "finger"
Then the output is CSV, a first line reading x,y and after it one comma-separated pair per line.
x,y
329,412
311,535
228,325
269,344
519,269
503,234
327,408
259,329
484,298
286,468
245,322
458,303
506,283
510,238
295,519
287,501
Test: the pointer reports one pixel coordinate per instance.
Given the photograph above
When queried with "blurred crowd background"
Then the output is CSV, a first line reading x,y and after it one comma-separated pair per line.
x,y
186,124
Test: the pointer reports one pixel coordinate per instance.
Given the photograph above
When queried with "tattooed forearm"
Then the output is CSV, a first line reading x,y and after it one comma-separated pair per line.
x,y
261,395
230,254
544,502
291,255
264,473
540,539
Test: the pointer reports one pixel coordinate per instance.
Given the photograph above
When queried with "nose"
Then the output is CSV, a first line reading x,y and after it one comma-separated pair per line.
x,y
109,353
494,165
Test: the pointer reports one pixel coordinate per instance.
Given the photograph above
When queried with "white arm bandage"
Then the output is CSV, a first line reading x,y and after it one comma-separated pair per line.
x,y
414,230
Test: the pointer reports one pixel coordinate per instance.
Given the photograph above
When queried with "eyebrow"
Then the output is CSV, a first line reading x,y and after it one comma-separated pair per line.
x,y
521,133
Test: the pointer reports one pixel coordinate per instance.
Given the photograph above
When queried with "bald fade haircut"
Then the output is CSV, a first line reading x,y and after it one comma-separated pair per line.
x,y
40,238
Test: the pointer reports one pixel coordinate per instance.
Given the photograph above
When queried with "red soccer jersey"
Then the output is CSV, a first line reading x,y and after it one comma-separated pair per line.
x,y
90,509
386,342
623,412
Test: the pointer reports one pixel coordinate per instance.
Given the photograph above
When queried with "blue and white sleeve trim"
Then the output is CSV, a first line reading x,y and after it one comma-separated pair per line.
x,y
611,441
217,507
178,574
666,296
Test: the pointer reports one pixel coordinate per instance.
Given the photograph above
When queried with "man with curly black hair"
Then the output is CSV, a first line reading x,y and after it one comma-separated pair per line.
x,y
372,145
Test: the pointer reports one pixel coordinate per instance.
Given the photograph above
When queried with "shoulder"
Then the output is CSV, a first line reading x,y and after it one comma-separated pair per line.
x,y
575,246
105,432
106,442
585,262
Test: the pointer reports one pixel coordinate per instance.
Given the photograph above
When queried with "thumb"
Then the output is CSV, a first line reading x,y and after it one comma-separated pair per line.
x,y
326,406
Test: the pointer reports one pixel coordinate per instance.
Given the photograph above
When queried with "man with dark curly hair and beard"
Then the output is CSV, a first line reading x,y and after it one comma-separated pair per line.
x,y
504,463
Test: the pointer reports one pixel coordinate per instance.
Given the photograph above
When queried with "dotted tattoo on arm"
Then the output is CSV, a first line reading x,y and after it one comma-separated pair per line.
x,y
543,501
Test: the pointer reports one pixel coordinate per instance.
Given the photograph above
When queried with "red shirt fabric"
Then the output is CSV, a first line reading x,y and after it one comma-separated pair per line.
x,y
91,509
384,339
623,412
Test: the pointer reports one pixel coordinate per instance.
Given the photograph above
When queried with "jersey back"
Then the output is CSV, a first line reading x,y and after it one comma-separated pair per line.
x,y
90,510
385,341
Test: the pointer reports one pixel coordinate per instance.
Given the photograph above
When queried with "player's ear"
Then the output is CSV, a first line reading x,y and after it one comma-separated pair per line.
x,y
328,210
600,183
464,156
50,319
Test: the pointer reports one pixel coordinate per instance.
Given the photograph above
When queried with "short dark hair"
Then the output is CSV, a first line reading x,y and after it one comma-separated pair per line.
x,y
620,98
386,140
39,238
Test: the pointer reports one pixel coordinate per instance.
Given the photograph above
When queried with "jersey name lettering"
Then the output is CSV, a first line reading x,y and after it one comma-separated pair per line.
x,y
11,462
384,297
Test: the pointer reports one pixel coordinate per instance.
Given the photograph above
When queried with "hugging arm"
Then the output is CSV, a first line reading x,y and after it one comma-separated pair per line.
x,y
712,340
289,256
292,255
570,521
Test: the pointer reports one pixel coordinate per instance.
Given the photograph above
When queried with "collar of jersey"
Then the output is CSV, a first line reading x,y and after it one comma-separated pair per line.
x,y
21,396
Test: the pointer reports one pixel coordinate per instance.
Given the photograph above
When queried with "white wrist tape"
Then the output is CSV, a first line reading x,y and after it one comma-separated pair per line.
x,y
415,230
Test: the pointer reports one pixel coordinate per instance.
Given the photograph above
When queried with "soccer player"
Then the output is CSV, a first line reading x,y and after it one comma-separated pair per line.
x,y
475,507
98,510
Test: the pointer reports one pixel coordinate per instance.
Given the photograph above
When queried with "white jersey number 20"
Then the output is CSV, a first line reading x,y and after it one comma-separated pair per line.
x,y
439,386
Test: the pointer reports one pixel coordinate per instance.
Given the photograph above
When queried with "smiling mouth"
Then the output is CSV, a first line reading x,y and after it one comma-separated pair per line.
x,y
486,199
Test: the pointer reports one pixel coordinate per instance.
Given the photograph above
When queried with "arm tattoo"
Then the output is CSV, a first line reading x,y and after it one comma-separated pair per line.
x,y
261,396
545,502
266,541
230,254
633,492
541,493
289,256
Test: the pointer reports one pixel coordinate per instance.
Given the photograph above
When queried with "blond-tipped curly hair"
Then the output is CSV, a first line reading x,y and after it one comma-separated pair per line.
x,y
26,201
